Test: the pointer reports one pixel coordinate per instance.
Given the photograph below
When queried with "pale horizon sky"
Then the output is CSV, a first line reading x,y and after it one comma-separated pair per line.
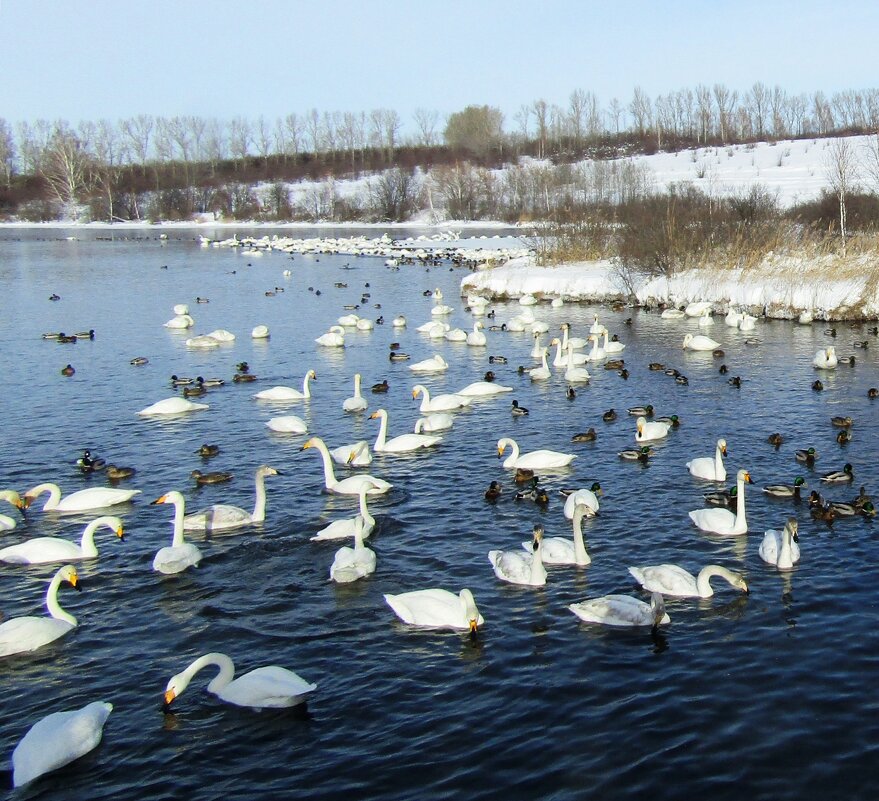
x,y
110,59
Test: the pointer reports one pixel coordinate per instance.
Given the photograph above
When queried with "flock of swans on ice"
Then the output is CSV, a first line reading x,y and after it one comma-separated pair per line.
x,y
64,736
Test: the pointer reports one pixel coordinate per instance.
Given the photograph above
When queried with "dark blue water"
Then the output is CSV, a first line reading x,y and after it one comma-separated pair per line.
x,y
769,695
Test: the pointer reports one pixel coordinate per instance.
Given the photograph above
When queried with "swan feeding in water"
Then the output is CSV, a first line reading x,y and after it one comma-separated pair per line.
x,y
80,501
622,610
265,687
677,582
437,609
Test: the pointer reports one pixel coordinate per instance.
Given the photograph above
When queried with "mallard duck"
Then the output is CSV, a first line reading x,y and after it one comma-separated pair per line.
x,y
202,300
682,379
841,422
849,360
806,455
735,381
656,366
817,385
181,381
493,492
843,509
217,477
571,393
382,386
786,490
609,416
242,367
207,451
823,512
670,420
139,361
624,374
672,372
537,494
517,410
831,332
115,473
641,411
872,392
614,364
839,476
195,391
862,498
584,436
497,359
641,454
860,343
725,498
398,356
775,439
243,378
68,370
523,474
723,369
844,437
90,334
211,382
489,376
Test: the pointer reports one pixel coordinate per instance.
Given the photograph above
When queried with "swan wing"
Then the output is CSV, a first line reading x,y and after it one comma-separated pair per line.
x,y
270,686
544,459
431,608
95,498
716,520
616,610
666,579
41,550
175,559
704,467
771,546
58,739
554,550
216,518
22,634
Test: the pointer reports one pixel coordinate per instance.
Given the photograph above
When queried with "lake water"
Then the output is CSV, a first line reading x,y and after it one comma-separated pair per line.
x,y
766,695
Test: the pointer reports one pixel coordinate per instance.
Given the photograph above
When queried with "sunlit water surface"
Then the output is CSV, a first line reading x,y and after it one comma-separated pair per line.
x,y
770,695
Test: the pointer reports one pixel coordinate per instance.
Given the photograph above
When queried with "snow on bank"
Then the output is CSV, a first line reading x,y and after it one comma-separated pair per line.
x,y
830,288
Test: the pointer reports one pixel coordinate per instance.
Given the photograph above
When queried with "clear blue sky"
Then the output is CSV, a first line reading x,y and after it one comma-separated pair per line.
x,y
93,59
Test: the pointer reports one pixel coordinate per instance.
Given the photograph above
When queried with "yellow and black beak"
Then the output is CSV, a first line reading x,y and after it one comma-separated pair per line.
x,y
168,697
75,582
120,532
473,626
160,499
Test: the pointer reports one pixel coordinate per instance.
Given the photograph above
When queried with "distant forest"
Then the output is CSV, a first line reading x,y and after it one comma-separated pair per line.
x,y
561,165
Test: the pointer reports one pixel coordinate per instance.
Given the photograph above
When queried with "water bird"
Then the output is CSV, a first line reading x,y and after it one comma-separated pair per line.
x,y
656,366
517,567
780,548
817,385
672,421
844,437
54,296
710,468
497,359
44,550
775,439
862,343
196,390
116,473
202,300
786,490
493,492
873,392
723,521
609,416
90,334
725,498
641,411
68,370
382,386
564,551
839,476
723,370
398,356
842,422
437,609
217,477
571,393
347,486
682,379
90,464
223,517
207,451
517,410
806,455
139,361
244,378
535,460
831,332
622,611
584,436
675,581
181,381
641,454
242,367
350,564
536,494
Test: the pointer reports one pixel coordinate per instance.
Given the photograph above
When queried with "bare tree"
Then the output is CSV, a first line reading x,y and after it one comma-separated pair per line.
x,y
293,129
393,194
263,137
840,169
757,102
426,121
66,165
615,112
704,111
240,138
577,103
726,103
7,152
640,108
540,109
139,131
313,131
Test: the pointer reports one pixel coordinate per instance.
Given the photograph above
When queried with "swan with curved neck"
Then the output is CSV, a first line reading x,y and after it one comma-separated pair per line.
x,y
405,443
675,581
342,529
611,346
622,610
282,393
723,521
179,555
441,403
578,343
561,551
437,609
356,403
543,372
334,338
21,634
521,568
222,517
351,564
540,459
565,354
266,687
347,486
781,548
42,550
83,500
711,469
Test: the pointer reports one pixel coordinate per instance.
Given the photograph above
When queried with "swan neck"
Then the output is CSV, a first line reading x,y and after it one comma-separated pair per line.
x,y
364,510
220,681
54,495
580,555
179,507
306,392
357,386
259,506
382,432
52,604
741,525
705,575
538,571
87,543
329,474
514,456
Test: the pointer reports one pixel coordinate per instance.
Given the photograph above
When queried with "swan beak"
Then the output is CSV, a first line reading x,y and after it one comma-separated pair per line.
x,y
120,532
75,582
745,587
414,394
351,457
373,415
160,499
169,696
500,453
473,626
25,502
748,478
306,446
723,450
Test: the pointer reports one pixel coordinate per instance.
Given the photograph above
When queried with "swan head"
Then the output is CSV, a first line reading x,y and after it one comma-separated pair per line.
x,y
168,497
537,535
793,526
657,607
68,574
417,390
265,470
721,443
378,413
309,444
745,476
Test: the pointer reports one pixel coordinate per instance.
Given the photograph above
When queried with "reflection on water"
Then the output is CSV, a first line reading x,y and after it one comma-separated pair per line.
x,y
533,700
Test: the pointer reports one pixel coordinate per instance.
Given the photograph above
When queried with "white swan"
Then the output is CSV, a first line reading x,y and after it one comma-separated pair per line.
x,y
677,582
438,330
222,517
222,335
825,359
334,338
780,548
437,609
399,321
266,687
647,432
172,406
709,468
364,324
21,634
483,389
348,321
11,496
426,328
583,496
42,550
476,338
541,373
342,529
357,454
596,327
527,300
287,424
260,332
723,521
57,740
351,564
438,421
747,323
535,460
612,346
456,335
537,350
561,359
347,486
80,501
181,308
179,555
672,314
705,319
356,403
521,568
806,317
288,393
441,403
597,353
574,374
733,318
204,342
697,308
622,610
180,321
562,551
435,364
405,443
578,343
441,309
699,342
